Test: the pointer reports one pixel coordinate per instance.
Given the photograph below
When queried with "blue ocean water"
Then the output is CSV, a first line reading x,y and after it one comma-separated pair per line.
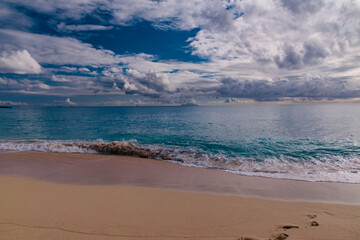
x,y
315,142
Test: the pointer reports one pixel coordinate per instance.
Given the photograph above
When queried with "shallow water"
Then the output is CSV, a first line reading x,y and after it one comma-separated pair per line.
x,y
318,142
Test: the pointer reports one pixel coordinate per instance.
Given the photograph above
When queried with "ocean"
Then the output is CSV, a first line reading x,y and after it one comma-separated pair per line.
x,y
314,142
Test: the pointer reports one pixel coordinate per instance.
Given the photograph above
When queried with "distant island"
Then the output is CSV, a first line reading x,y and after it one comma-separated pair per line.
x,y
5,107
188,105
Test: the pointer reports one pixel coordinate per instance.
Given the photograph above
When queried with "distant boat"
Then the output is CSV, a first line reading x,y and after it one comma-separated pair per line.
x,y
189,105
5,107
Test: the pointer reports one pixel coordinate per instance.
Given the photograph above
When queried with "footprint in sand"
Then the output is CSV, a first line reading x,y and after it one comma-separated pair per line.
x,y
250,238
281,236
289,226
313,223
311,216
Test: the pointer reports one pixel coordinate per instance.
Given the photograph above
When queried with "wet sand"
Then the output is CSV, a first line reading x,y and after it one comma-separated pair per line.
x,y
93,196
100,169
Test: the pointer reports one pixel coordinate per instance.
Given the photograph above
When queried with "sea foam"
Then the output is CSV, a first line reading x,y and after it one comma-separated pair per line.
x,y
332,169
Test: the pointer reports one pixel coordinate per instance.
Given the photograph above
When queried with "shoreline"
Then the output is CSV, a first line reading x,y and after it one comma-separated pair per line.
x,y
102,169
90,197
3,151
314,171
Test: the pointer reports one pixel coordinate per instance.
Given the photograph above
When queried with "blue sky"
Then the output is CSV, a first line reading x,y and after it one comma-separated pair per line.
x,y
110,53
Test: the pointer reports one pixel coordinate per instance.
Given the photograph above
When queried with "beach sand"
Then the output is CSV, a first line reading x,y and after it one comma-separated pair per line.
x,y
93,196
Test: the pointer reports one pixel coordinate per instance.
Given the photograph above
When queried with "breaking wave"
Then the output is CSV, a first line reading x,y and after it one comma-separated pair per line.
x,y
335,168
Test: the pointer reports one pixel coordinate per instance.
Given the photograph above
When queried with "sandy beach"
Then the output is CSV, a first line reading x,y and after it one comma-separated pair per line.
x,y
93,196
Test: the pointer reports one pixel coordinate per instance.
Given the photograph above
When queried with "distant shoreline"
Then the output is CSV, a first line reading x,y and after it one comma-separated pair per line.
x,y
5,107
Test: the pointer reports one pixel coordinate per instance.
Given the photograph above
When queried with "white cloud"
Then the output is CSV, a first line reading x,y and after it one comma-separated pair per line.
x,y
56,78
69,69
287,34
13,103
8,83
84,27
151,83
69,102
56,50
184,15
84,69
43,86
66,102
20,62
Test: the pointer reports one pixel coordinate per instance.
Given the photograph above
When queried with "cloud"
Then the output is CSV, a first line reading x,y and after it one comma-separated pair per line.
x,y
283,33
183,15
63,79
68,69
171,82
18,20
301,7
11,103
170,14
43,86
20,62
136,101
56,50
147,84
289,34
66,102
84,27
271,50
290,86
69,102
4,103
238,100
6,82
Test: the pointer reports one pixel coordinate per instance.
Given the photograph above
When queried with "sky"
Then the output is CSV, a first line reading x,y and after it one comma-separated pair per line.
x,y
144,52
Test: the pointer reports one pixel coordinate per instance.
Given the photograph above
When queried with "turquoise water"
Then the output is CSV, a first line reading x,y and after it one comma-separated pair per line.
x,y
305,142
